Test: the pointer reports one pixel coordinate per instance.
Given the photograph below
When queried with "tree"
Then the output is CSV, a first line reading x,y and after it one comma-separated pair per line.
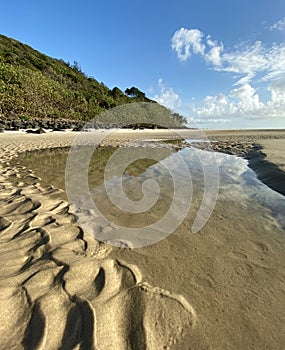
x,y
117,93
179,119
76,66
135,93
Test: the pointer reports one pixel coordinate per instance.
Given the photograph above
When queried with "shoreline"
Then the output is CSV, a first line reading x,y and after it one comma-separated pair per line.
x,y
264,152
249,144
266,171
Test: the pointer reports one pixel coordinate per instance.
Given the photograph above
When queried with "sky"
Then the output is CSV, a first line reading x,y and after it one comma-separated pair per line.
x,y
221,64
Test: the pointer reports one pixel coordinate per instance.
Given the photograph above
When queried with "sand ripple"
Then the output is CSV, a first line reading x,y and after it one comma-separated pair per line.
x,y
60,290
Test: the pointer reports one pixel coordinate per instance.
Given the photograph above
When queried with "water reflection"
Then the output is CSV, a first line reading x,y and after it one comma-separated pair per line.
x,y
237,183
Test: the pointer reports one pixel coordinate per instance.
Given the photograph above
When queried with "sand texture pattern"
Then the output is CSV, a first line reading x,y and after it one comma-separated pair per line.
x,y
220,289
59,289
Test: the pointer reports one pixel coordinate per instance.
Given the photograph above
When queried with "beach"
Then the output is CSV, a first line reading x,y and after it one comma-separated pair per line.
x,y
222,288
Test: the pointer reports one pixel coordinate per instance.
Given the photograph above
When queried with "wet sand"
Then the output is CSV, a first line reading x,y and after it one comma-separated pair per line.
x,y
264,149
61,289
274,151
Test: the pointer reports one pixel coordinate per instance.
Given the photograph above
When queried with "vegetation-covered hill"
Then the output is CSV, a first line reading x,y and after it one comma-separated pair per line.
x,y
33,85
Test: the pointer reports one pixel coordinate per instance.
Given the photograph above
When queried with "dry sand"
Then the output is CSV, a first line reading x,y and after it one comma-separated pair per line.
x,y
61,289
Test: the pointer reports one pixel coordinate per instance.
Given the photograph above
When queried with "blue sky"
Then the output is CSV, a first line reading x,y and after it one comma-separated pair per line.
x,y
219,63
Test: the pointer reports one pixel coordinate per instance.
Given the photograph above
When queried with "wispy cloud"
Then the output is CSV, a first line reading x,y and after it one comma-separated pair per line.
x,y
280,25
255,59
167,97
252,65
186,41
215,51
244,60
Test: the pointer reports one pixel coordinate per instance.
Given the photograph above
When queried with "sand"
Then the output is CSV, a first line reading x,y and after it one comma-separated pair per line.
x,y
274,151
271,141
61,289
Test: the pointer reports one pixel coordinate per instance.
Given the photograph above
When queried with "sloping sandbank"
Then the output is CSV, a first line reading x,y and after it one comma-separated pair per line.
x,y
265,150
275,151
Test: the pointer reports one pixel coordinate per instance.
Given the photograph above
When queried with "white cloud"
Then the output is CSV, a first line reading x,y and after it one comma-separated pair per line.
x,y
185,40
214,54
277,89
242,102
247,98
210,120
245,60
253,64
248,61
280,25
167,97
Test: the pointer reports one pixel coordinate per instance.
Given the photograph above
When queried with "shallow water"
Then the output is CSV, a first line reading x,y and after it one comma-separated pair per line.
x,y
192,179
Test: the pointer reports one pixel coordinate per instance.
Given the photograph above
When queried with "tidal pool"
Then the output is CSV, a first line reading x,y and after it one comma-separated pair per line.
x,y
119,187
